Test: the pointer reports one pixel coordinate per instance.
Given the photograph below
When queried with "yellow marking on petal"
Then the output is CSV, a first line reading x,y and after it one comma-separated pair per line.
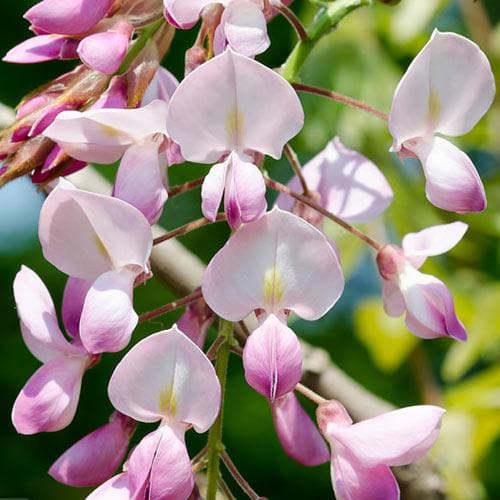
x,y
168,401
101,247
109,131
434,106
234,124
273,287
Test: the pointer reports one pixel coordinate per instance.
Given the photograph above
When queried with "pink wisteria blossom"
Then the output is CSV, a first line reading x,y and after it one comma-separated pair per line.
x,y
136,136
106,242
242,25
345,182
49,399
226,111
428,303
447,89
94,459
363,452
164,378
273,266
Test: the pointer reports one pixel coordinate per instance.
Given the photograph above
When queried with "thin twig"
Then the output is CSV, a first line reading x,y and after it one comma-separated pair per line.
x,y
310,394
213,349
196,295
223,486
187,228
296,166
277,186
242,482
290,16
187,186
349,101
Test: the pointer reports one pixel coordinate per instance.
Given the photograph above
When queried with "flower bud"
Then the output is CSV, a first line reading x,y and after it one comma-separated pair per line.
x,y
390,261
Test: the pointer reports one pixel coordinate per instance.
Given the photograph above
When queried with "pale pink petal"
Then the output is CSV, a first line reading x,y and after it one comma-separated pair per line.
x,y
452,181
105,51
160,465
233,103
274,263
40,49
349,184
166,375
243,27
85,234
447,89
212,189
297,433
108,316
245,192
196,321
48,401
48,115
429,301
140,180
116,488
432,241
94,458
396,438
272,359
394,302
184,14
103,135
37,314
352,481
161,87
67,18
75,292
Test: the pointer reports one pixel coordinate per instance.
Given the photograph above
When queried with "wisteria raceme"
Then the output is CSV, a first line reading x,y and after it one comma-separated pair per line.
x,y
230,111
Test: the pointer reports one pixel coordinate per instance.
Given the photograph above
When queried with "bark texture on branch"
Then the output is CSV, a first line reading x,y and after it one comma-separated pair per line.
x,y
181,271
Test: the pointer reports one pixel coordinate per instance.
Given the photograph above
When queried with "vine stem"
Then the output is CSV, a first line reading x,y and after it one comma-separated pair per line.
x,y
215,445
192,297
187,228
277,186
296,166
187,186
344,99
325,20
292,19
139,44
242,482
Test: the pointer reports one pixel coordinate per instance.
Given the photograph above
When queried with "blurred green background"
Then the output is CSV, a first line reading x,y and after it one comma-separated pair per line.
x,y
364,58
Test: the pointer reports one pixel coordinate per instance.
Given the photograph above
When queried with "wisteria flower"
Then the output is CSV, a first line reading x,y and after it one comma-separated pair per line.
x,y
447,89
136,136
363,452
428,303
106,242
275,265
164,378
49,399
226,111
95,458
242,26
346,183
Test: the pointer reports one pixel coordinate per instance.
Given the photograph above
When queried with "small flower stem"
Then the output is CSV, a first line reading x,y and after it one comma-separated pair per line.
x,y
215,445
349,101
310,394
136,48
296,166
192,297
242,482
325,20
293,20
187,186
422,371
187,228
277,186
223,486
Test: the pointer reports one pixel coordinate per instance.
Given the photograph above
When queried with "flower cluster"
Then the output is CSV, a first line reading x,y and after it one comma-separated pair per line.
x,y
230,111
